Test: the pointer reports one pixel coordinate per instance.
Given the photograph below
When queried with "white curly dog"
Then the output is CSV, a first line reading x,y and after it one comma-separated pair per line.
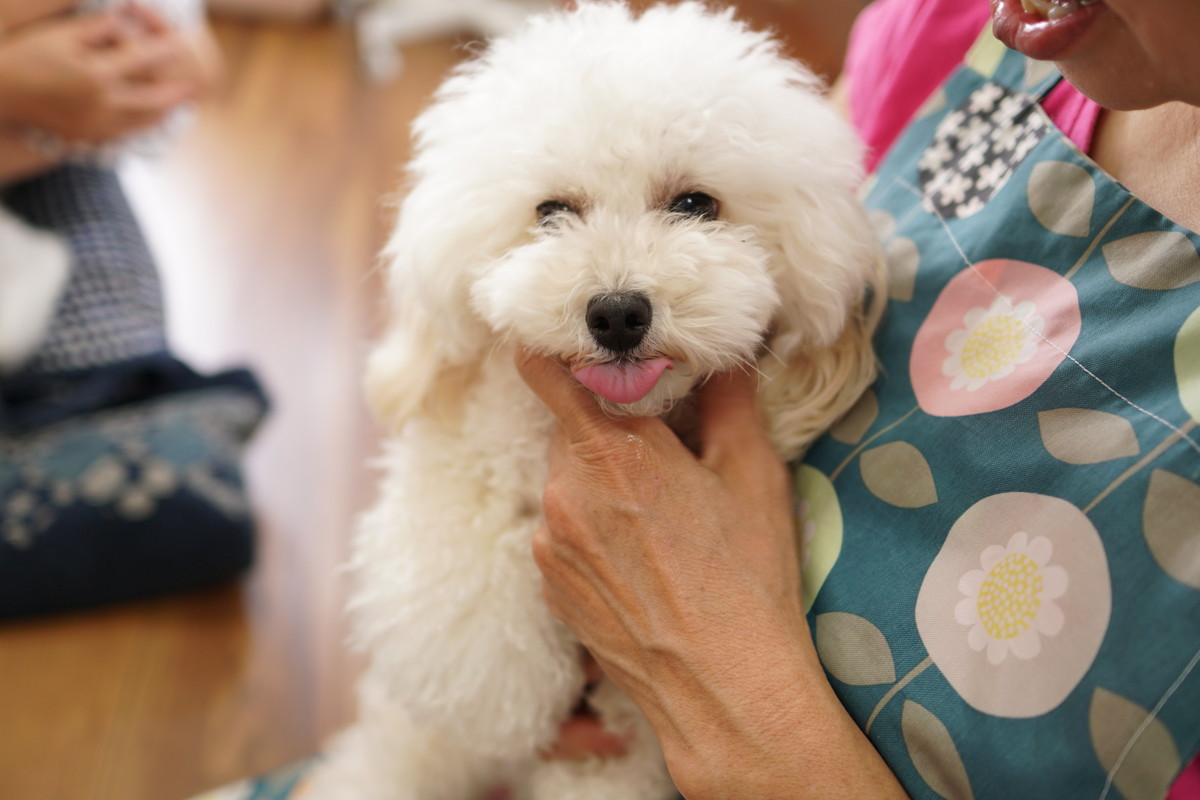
x,y
651,199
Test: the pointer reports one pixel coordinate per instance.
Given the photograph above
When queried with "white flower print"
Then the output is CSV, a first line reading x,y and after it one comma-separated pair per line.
x,y
974,157
993,174
1009,108
1027,143
1010,602
955,189
972,206
1016,604
936,156
992,343
986,98
974,131
1006,139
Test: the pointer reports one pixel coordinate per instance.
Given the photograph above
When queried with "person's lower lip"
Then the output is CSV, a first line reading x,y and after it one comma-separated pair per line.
x,y
1037,37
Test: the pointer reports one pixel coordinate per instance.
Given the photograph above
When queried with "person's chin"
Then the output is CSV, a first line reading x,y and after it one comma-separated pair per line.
x,y
1116,85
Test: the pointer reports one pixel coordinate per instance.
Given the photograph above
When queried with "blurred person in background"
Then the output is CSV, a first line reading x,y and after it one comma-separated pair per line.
x,y
119,465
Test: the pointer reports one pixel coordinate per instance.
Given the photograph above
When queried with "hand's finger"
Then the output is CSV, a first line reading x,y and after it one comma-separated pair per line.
x,y
97,30
582,737
150,20
153,99
145,58
568,400
735,441
729,414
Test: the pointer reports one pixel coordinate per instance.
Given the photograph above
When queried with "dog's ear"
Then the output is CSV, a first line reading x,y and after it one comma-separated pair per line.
x,y
832,281
433,343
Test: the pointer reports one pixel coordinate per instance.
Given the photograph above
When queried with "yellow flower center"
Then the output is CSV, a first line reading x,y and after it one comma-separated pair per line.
x,y
1010,596
993,345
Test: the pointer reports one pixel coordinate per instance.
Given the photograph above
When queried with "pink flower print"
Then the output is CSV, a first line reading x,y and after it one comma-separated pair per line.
x,y
995,334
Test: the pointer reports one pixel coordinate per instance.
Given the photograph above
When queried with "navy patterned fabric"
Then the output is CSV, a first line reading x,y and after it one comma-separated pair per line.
x,y
111,310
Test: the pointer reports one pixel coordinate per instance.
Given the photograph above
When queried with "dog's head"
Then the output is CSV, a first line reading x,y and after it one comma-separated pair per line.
x,y
650,199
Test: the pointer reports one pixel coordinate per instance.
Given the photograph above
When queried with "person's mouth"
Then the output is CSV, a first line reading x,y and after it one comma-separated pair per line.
x,y
1043,29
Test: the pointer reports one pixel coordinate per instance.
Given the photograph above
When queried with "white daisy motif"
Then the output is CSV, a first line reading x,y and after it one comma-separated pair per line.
x,y
1010,107
994,174
974,158
992,343
954,189
986,97
997,613
1026,144
1010,602
974,131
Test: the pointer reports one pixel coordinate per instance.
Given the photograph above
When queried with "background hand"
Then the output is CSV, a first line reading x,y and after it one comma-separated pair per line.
x,y
18,13
94,78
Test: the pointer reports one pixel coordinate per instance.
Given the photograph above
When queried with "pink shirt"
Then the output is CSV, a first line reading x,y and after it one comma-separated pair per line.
x,y
900,52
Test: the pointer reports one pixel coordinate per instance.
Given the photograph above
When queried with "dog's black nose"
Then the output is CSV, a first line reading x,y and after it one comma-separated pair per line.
x,y
619,322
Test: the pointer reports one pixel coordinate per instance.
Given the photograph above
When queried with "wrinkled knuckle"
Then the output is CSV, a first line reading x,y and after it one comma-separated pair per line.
x,y
620,452
556,503
543,549
550,598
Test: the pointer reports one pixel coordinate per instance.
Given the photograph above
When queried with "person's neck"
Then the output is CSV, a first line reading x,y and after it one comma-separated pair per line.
x,y
1156,154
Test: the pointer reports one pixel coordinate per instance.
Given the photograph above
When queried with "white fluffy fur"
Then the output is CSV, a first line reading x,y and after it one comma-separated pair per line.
x,y
34,265
469,674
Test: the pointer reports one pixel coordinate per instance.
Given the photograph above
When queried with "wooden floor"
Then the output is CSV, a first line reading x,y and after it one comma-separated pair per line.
x,y
265,218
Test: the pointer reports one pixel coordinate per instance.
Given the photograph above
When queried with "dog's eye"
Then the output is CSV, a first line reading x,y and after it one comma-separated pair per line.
x,y
695,204
551,208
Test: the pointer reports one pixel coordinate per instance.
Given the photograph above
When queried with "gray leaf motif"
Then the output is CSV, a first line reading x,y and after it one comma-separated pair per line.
x,y
903,259
1137,750
858,420
1155,260
933,753
853,650
1062,197
1168,523
898,474
1086,436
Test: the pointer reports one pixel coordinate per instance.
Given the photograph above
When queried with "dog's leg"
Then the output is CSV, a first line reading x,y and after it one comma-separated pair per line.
x,y
641,773
449,603
384,756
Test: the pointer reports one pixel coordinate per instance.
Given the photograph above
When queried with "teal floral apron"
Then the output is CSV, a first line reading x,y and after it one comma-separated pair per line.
x,y
1002,540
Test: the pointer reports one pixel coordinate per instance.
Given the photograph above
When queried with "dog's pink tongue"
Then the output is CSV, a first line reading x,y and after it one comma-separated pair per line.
x,y
623,383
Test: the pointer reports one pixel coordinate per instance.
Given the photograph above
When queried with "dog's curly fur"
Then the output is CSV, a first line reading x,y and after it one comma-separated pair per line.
x,y
613,117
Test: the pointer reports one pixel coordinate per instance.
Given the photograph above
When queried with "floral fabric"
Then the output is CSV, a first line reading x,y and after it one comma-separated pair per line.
x,y
1007,597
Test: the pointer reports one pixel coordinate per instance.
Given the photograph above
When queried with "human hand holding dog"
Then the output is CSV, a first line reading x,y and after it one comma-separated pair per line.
x,y
16,13
94,78
679,573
